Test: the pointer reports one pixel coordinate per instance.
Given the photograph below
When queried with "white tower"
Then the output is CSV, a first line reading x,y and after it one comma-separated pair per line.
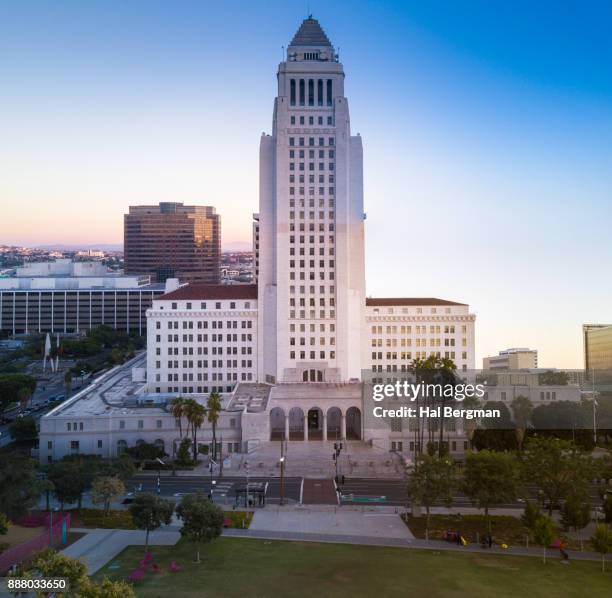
x,y
311,239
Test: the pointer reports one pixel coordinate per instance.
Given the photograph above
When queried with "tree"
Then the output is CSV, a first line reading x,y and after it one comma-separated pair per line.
x,y
202,520
551,378
213,406
51,563
149,512
19,488
182,455
106,589
145,451
11,385
68,481
433,479
177,408
607,508
544,533
23,428
576,514
105,489
195,416
522,408
490,479
558,468
602,542
4,524
68,382
24,395
531,514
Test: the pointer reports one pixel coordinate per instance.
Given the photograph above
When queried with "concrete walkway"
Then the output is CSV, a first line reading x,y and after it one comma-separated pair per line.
x,y
99,546
436,545
330,521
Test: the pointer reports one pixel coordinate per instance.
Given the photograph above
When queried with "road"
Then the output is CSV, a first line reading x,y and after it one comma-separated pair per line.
x,y
44,391
225,487
355,491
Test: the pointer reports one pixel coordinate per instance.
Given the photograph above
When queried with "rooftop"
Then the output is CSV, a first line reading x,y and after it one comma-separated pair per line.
x,y
310,33
208,291
407,301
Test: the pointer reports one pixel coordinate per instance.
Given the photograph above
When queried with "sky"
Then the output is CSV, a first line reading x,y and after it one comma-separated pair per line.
x,y
487,132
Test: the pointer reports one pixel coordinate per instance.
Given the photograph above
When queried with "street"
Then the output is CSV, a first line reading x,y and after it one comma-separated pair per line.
x,y
225,487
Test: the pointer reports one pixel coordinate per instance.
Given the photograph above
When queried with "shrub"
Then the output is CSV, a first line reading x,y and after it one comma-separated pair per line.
x,y
115,519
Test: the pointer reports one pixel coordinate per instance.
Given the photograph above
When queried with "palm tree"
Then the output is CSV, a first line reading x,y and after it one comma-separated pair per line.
x,y
194,412
177,408
214,410
521,410
68,382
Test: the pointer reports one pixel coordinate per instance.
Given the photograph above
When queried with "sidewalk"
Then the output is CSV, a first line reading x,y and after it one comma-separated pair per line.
x,y
436,545
99,546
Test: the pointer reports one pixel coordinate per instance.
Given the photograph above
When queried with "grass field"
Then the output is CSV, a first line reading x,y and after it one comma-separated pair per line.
x,y
233,567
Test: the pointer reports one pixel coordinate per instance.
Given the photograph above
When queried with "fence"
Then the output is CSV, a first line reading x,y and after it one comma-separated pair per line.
x,y
49,537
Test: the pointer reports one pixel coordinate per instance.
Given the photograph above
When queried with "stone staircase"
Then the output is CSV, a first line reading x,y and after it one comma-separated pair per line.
x,y
313,459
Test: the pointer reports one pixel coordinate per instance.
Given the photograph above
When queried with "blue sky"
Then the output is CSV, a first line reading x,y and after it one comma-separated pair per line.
x,y
487,130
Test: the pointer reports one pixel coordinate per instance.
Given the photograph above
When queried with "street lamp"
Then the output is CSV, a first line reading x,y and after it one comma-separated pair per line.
x,y
159,462
336,455
282,480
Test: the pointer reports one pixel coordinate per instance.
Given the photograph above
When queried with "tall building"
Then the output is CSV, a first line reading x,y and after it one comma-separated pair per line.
x,y
311,239
597,346
518,358
293,355
172,240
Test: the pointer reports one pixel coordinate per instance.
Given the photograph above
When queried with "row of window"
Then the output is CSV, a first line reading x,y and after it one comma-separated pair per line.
x,y
419,342
311,275
407,355
203,305
194,389
312,355
418,329
312,314
188,338
297,92
203,324
301,142
214,363
311,251
311,120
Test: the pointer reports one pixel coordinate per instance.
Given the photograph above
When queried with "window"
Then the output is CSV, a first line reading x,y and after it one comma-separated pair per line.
x,y
302,92
320,96
158,423
140,424
122,424
99,444
292,93
310,92
329,92
74,445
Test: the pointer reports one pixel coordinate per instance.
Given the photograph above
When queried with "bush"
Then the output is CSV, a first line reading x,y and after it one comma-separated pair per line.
x,y
239,519
118,519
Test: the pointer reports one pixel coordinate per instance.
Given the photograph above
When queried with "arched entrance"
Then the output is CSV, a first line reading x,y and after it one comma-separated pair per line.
x,y
315,424
334,421
353,423
277,424
121,446
296,424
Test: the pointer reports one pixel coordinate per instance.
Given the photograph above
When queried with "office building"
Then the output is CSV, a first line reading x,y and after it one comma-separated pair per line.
x,y
172,240
512,359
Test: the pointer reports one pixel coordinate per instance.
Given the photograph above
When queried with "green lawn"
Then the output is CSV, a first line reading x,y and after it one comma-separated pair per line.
x,y
248,567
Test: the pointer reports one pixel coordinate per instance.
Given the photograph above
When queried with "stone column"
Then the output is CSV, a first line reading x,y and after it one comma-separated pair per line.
x,y
306,427
324,426
343,427
287,427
